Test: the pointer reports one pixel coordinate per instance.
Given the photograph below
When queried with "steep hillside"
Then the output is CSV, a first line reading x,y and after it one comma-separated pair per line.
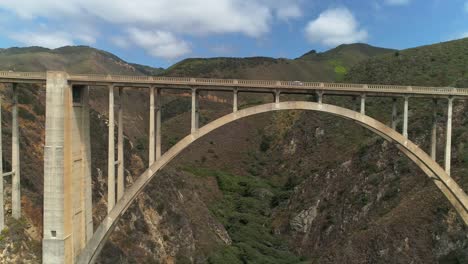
x,y
443,64
74,59
328,66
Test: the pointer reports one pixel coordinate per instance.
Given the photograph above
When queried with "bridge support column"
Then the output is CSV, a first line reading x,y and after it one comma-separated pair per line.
x,y
320,97
277,97
195,111
120,148
111,154
394,114
434,131
158,123
67,171
234,100
448,143
15,158
405,117
2,204
151,128
363,104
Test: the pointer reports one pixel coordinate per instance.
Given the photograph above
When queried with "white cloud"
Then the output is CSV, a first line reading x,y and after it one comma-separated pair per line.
x,y
250,17
159,44
335,26
397,2
464,35
50,40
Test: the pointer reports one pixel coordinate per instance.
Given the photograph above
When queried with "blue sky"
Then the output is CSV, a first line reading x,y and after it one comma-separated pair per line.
x,y
162,32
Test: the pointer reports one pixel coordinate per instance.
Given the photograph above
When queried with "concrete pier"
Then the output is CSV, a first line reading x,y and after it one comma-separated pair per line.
x,y
235,107
151,141
120,147
158,106
434,131
394,114
195,111
277,97
405,117
363,104
15,158
111,154
320,97
448,142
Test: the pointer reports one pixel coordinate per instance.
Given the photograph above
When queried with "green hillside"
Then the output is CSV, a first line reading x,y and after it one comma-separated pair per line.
x,y
443,64
331,65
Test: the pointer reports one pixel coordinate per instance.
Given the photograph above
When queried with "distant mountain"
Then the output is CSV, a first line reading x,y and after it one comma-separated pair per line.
x,y
74,59
331,65
442,64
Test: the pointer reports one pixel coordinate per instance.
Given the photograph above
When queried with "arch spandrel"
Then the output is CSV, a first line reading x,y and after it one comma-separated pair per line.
x,y
454,194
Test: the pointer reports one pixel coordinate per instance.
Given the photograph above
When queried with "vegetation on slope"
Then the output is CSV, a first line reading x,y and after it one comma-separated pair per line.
x,y
443,64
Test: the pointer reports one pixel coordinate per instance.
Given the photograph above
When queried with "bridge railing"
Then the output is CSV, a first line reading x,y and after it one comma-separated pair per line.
x,y
23,75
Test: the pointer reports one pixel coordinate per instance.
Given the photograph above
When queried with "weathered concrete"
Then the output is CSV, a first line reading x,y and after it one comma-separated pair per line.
x,y
434,131
2,204
405,117
363,104
158,123
447,185
120,147
86,154
195,111
448,142
234,100
394,114
15,158
277,97
151,141
55,248
111,154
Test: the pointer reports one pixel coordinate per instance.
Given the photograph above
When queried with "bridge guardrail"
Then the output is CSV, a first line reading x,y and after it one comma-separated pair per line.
x,y
32,76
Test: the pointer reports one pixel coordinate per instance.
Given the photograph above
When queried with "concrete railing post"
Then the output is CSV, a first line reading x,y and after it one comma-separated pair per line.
x,y
394,114
151,140
405,117
15,158
111,154
195,111
158,106
120,147
448,143
434,131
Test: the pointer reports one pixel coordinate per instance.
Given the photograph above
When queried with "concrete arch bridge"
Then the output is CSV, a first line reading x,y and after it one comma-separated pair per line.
x,y
68,235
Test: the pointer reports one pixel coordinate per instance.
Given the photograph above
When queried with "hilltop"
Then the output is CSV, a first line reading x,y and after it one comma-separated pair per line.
x,y
74,59
331,65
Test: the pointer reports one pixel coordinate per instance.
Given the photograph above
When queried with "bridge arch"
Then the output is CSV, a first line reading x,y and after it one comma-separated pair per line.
x,y
455,195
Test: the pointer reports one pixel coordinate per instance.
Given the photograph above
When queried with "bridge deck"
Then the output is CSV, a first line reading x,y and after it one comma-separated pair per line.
x,y
242,85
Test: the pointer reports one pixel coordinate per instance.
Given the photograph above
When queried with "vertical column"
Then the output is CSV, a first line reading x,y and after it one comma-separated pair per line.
x,y
448,143
111,154
55,234
277,97
158,123
86,154
434,131
320,97
405,118
195,110
234,100
151,127
394,114
120,147
2,205
363,104
15,158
